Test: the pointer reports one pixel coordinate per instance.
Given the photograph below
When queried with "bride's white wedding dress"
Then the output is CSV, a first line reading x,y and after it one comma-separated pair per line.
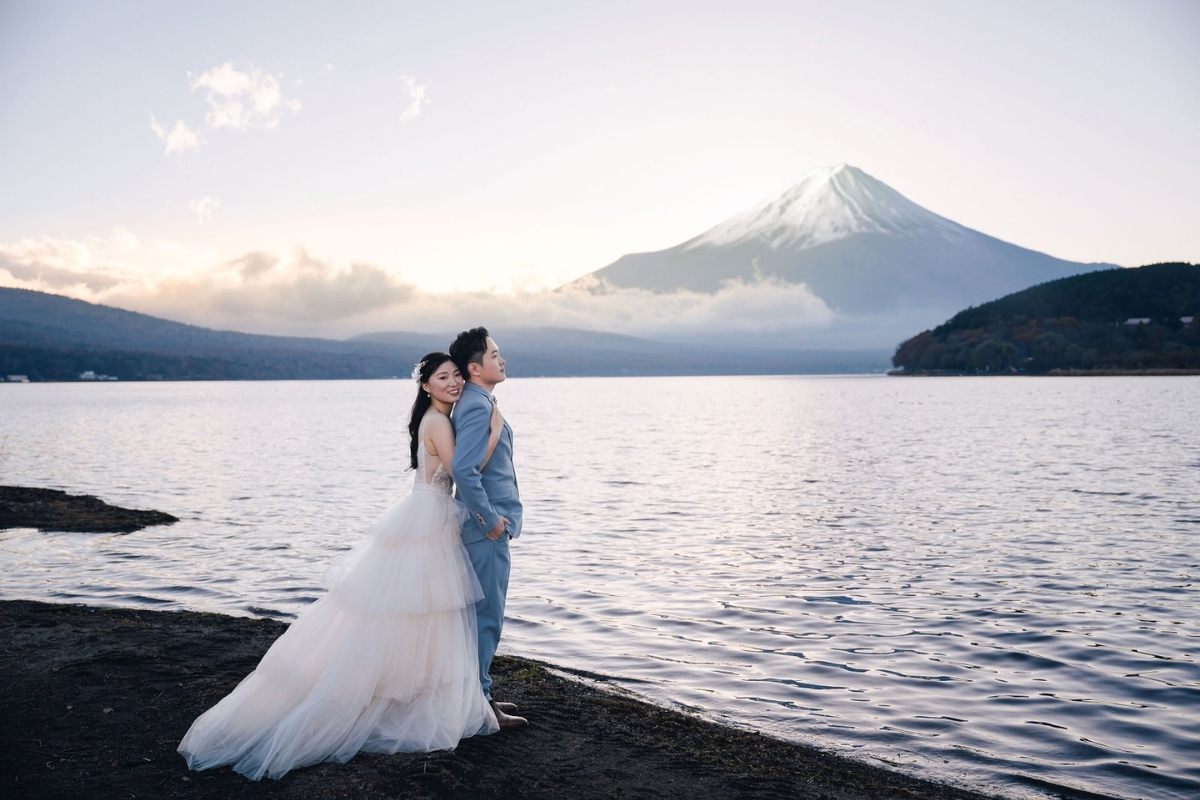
x,y
385,662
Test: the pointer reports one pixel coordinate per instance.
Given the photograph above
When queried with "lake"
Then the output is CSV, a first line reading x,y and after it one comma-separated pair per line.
x,y
986,581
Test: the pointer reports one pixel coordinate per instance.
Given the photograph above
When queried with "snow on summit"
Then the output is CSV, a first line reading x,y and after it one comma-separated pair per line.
x,y
827,204
881,265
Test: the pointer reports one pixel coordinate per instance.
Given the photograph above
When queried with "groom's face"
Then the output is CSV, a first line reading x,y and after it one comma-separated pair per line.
x,y
491,371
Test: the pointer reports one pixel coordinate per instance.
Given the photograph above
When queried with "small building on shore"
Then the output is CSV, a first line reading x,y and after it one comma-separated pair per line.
x,y
16,378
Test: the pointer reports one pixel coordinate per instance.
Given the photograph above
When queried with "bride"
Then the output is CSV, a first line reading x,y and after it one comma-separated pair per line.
x,y
386,660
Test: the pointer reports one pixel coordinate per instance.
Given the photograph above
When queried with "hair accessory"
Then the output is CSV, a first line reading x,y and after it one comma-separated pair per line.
x,y
416,373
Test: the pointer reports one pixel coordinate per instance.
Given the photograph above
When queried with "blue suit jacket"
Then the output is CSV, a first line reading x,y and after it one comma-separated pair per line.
x,y
491,493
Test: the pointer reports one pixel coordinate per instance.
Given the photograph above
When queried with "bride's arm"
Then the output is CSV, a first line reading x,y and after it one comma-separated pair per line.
x,y
439,439
497,425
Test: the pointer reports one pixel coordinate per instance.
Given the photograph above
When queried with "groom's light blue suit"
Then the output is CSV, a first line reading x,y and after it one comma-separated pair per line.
x,y
488,494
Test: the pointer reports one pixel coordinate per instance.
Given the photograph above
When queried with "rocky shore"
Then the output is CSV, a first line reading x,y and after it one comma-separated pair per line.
x,y
96,700
54,510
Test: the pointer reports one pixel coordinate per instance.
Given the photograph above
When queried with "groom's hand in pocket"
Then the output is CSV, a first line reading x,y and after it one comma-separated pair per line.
x,y
498,531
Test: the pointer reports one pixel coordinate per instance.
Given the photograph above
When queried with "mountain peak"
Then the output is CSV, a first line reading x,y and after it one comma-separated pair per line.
x,y
827,204
875,258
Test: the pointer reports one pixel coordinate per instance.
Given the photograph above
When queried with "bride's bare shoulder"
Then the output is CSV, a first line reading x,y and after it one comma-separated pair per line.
x,y
435,420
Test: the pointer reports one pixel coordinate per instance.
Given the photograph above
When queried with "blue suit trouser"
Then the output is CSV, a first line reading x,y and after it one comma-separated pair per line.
x,y
492,564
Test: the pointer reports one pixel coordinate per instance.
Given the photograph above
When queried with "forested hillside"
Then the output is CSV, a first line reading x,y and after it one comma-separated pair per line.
x,y
1118,319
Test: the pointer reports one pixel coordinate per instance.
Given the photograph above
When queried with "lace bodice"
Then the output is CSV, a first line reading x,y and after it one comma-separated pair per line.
x,y
438,480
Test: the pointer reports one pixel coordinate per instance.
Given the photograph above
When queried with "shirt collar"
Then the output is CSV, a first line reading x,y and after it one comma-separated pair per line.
x,y
475,387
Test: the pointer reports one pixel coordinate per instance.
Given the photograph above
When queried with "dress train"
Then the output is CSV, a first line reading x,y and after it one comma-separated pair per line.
x,y
385,662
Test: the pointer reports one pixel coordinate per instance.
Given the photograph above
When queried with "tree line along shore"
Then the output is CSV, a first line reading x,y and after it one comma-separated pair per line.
x,y
1113,322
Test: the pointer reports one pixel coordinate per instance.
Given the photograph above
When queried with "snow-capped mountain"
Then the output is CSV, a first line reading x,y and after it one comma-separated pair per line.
x,y
828,204
867,251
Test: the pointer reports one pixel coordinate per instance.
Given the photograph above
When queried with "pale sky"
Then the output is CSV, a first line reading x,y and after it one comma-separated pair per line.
x,y
285,166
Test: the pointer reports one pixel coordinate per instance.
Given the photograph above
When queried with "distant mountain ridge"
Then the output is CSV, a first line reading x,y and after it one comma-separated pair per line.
x,y
869,252
50,337
39,319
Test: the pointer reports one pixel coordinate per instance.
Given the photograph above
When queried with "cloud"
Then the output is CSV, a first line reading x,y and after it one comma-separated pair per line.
x,y
53,265
253,265
739,307
416,98
102,268
124,240
292,292
242,100
257,291
297,293
203,208
179,139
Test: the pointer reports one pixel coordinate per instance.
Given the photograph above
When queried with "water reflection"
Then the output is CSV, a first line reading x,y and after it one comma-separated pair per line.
x,y
991,581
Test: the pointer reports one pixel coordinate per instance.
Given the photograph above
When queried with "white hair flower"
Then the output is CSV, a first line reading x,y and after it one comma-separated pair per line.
x,y
416,373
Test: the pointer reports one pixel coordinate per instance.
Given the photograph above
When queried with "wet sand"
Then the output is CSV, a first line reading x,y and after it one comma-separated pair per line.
x,y
95,702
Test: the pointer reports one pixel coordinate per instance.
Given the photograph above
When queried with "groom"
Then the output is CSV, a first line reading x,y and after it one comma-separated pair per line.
x,y
489,493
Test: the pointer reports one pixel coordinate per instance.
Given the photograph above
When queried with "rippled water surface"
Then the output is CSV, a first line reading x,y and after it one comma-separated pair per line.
x,y
986,581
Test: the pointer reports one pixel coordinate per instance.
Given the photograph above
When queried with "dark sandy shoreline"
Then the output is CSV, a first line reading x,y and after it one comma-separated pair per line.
x,y
95,702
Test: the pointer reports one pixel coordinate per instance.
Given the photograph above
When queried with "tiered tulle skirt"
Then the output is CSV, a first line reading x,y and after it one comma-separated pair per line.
x,y
385,662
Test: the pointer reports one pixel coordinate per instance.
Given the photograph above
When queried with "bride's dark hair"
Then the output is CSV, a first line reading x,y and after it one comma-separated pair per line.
x,y
428,365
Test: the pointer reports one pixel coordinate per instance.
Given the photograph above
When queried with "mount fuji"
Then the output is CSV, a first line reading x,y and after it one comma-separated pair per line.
x,y
886,267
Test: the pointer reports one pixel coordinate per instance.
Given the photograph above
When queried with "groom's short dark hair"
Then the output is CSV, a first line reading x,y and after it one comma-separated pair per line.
x,y
469,347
